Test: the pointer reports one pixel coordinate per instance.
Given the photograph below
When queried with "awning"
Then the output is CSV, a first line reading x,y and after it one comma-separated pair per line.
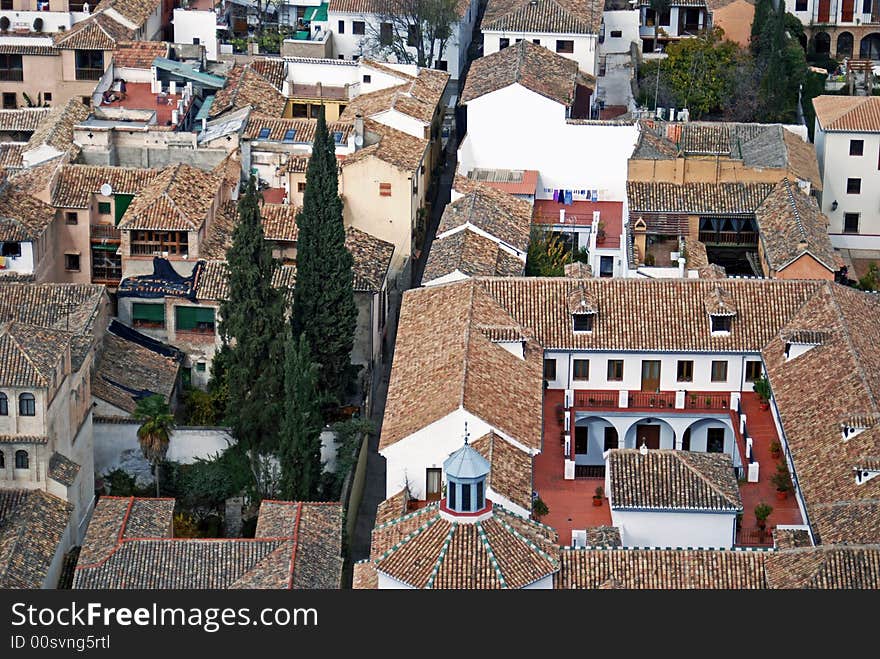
x,y
316,13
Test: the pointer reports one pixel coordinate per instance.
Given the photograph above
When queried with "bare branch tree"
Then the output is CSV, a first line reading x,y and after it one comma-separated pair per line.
x,y
412,31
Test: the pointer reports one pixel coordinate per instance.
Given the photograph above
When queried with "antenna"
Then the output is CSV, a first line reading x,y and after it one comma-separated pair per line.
x,y
107,190
466,434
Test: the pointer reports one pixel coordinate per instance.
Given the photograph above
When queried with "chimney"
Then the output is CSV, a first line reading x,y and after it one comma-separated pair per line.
x,y
358,131
681,270
318,90
562,216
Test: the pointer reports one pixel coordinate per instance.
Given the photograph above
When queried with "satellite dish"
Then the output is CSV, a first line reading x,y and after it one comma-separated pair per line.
x,y
106,190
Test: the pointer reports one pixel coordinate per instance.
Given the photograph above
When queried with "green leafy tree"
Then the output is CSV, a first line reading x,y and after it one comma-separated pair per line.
x,y
871,280
154,433
299,450
323,305
252,326
784,66
547,254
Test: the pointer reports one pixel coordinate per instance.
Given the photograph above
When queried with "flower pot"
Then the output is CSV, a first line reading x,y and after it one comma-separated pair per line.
x,y
765,406
597,501
781,495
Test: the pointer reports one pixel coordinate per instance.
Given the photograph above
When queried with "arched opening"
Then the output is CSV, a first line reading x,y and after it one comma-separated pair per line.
x,y
822,43
844,45
654,433
870,47
593,435
711,436
38,24
21,460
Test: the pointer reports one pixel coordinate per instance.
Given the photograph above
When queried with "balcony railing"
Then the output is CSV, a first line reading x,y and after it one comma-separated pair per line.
x,y
652,399
604,399
729,237
105,232
707,401
712,402
753,536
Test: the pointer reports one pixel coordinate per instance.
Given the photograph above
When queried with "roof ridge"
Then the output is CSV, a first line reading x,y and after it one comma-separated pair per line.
x,y
797,213
685,460
852,350
481,533
466,346
25,352
442,555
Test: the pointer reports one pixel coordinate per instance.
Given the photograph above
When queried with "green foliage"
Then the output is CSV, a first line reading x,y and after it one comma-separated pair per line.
x,y
218,385
762,512
154,434
871,280
299,450
252,326
539,508
323,307
582,255
349,436
762,388
782,479
207,483
814,85
547,254
199,408
783,65
123,484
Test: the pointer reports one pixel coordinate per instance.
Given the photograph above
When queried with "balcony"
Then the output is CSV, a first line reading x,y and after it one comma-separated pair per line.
x,y
105,233
640,401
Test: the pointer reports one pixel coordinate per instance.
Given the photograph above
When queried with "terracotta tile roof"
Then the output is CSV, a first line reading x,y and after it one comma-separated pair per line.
x,y
23,47
791,538
497,213
660,569
696,198
802,162
553,16
824,568
279,222
442,353
392,146
178,199
30,355
305,129
365,576
56,130
23,119
372,258
128,545
23,439
418,97
128,371
532,66
97,32
672,480
246,87
213,284
471,254
652,315
297,163
790,225
817,390
77,183
22,217
32,525
10,156
62,469
392,508
511,474
848,113
62,307
603,536
272,69
503,551
136,11
139,54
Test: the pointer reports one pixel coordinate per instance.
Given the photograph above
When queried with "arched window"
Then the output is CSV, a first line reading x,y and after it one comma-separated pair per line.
x,y
27,405
4,404
21,460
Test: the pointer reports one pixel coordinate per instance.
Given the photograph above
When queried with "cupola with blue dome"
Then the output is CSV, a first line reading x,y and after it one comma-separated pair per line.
x,y
466,472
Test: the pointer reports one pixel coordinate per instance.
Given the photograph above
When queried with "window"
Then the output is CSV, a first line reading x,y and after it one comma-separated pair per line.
x,y
150,243
104,208
27,405
10,101
289,135
71,262
503,43
850,222
299,110
615,370
385,33
753,370
451,489
800,5
200,367
440,65
856,147
611,438
86,100
481,502
4,404
537,42
21,460
549,369
866,7
721,323
465,497
196,41
341,27
581,369
616,34
89,64
685,370
197,320
263,134
384,189
357,27
564,46
11,67
12,249
665,16
583,322
47,96
71,218
368,78
719,371
338,135
715,440
853,185
300,186
6,4
412,35
148,315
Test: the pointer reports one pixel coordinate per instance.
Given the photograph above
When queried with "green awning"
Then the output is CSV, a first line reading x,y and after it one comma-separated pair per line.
x,y
190,317
105,248
149,312
316,13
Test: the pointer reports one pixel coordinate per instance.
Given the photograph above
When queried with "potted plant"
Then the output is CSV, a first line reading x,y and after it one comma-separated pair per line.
x,y
598,496
600,232
775,449
708,402
762,388
782,480
652,402
539,508
693,400
762,512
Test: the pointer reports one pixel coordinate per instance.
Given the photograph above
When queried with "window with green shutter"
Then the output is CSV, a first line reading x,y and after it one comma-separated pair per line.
x,y
148,315
104,207
194,319
122,203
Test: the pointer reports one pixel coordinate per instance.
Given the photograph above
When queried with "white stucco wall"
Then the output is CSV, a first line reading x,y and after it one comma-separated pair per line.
x,y
202,25
585,45
674,529
21,264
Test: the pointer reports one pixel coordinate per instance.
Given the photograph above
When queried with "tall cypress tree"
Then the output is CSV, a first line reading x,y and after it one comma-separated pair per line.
x,y
252,326
323,307
299,447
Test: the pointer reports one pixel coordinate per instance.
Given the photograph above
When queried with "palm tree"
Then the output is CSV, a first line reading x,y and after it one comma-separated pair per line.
x,y
154,435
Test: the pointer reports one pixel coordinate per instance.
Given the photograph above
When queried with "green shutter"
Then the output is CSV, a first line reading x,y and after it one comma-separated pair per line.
x,y
189,317
149,312
122,203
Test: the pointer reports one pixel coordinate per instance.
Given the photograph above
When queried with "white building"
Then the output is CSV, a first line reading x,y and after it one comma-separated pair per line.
x,y
681,19
620,29
359,28
847,139
194,26
839,28
569,29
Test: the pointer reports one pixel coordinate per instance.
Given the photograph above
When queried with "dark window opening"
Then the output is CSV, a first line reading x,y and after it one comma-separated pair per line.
x,y
850,222
11,249
11,68
721,323
89,64
549,369
856,147
71,262
685,371
358,27
341,29
386,32
853,186
615,370
564,46
465,497
715,440
21,460
581,369
719,371
27,405
753,371
583,322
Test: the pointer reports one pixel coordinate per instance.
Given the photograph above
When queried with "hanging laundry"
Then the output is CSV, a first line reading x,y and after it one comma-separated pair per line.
x,y
568,198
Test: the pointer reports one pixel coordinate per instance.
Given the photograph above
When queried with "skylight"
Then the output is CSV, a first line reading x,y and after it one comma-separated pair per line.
x,y
264,134
337,136
289,135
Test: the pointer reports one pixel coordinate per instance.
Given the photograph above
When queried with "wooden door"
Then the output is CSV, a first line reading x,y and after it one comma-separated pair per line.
x,y
433,481
846,12
649,435
824,11
650,375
